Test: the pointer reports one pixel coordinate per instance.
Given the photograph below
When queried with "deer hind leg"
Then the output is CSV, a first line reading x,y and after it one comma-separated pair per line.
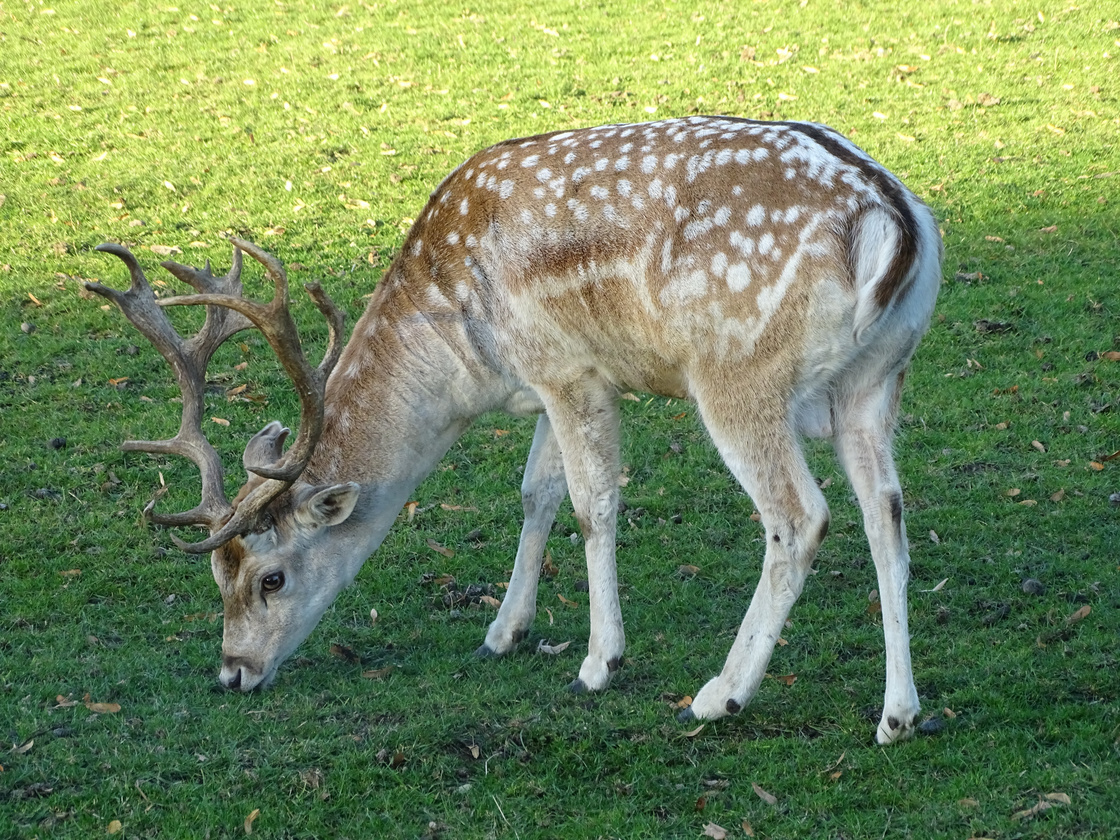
x,y
864,422
584,416
542,490
771,467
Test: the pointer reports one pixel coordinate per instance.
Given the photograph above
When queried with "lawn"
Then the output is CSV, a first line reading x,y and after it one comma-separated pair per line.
x,y
318,131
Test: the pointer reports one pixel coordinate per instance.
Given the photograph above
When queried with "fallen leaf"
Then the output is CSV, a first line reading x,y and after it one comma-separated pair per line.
x,y
256,812
747,829
1079,615
458,508
103,708
1057,497
1033,811
565,601
933,538
25,747
715,831
490,601
440,549
939,586
968,803
344,653
1062,798
687,571
768,798
64,702
1038,446
114,827
221,421
552,649
684,702
1096,465
1049,229
692,733
787,679
120,380
377,674
71,573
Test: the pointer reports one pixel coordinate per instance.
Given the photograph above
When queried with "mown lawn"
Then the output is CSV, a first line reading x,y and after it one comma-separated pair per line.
x,y
318,130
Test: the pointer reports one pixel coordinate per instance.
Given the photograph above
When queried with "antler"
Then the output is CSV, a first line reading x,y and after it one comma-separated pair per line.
x,y
227,312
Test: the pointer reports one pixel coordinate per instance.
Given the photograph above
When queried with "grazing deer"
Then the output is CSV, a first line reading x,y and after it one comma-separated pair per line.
x,y
771,272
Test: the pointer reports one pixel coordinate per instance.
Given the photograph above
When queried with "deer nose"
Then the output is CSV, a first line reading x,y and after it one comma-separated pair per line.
x,y
234,683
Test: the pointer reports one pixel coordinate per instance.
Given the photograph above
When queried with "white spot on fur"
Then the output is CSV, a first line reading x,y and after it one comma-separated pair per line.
x,y
550,209
416,246
530,161
756,215
738,277
453,238
599,192
622,164
623,187
649,163
464,207
719,264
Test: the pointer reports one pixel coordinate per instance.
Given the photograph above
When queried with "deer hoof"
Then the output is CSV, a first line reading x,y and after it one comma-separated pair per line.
x,y
577,686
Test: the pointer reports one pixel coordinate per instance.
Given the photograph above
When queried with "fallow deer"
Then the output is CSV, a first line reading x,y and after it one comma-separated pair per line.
x,y
771,272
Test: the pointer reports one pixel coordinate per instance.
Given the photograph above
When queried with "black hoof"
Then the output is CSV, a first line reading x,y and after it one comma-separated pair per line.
x,y
686,716
486,652
577,686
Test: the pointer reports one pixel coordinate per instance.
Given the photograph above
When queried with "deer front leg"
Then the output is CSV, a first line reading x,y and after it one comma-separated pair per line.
x,y
542,490
585,417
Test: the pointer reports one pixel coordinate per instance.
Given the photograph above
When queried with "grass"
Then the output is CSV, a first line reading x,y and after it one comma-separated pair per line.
x,y
318,131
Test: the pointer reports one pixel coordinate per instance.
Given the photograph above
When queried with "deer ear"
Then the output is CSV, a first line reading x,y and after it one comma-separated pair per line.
x,y
329,505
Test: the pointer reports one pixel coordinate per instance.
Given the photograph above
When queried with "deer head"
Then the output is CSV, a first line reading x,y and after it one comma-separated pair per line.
x,y
259,542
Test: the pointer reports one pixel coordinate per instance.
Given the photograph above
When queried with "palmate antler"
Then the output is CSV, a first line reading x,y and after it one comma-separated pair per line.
x,y
228,312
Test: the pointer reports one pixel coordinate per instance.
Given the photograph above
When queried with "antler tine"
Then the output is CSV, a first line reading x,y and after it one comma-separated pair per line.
x,y
188,358
275,322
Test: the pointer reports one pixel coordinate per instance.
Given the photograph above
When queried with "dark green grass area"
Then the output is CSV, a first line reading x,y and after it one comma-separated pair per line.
x,y
318,131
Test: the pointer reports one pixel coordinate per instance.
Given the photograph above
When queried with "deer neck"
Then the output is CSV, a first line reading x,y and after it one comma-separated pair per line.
x,y
409,382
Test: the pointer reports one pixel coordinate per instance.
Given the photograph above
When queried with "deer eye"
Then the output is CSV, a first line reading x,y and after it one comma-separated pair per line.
x,y
272,582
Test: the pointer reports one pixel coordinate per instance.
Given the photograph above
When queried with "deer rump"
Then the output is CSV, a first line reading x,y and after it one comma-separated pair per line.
x,y
771,272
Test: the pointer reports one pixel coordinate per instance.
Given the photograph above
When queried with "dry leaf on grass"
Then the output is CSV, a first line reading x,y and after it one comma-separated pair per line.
x,y
256,812
939,586
715,831
566,602
1047,802
1079,615
552,649
440,549
379,673
768,798
114,827
101,708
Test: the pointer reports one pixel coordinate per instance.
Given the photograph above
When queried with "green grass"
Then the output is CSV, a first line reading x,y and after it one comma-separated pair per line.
x,y
354,114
